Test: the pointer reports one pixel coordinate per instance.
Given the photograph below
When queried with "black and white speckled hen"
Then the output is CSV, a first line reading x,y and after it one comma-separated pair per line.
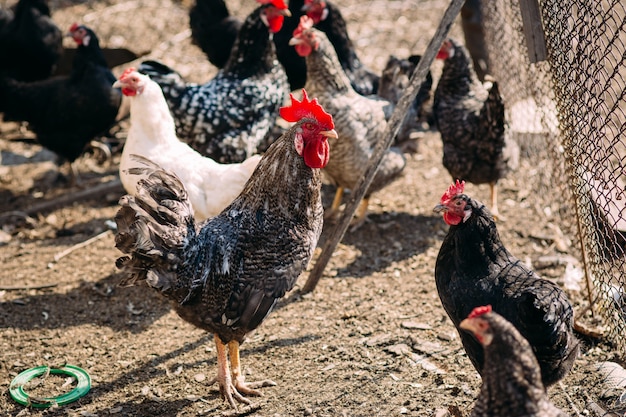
x,y
471,120
30,42
230,118
226,274
361,121
474,268
511,376
67,112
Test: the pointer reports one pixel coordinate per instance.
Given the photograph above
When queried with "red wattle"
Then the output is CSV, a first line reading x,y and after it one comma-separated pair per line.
x,y
276,23
303,49
451,219
129,92
316,154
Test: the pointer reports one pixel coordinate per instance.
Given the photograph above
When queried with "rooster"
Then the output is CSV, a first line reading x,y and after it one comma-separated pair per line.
x,y
30,42
230,118
361,121
470,118
211,186
67,112
475,268
511,376
226,275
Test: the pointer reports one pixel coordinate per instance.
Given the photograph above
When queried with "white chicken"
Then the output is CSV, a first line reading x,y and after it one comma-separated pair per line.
x,y
211,186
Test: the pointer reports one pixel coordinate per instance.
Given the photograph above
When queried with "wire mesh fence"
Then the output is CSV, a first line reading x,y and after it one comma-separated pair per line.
x,y
569,114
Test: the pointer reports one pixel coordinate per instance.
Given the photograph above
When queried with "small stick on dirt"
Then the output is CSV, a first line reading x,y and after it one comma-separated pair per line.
x,y
89,241
72,197
569,400
393,126
27,287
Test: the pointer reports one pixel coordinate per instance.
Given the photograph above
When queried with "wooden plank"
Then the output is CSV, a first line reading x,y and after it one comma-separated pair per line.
x,y
533,30
393,125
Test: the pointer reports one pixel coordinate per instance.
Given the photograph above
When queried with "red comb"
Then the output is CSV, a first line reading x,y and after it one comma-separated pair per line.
x,y
454,189
279,4
74,27
126,73
306,108
306,23
479,311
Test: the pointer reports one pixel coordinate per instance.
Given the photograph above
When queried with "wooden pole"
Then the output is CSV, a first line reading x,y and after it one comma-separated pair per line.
x,y
533,30
393,125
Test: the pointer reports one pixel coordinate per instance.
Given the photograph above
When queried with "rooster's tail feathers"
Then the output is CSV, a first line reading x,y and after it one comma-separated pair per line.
x,y
153,227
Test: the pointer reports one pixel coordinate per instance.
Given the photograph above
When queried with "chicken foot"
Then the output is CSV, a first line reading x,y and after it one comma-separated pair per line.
x,y
231,383
238,378
224,379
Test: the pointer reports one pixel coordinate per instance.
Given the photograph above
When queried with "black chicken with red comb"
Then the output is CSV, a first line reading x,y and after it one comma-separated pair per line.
x,y
226,275
474,268
511,376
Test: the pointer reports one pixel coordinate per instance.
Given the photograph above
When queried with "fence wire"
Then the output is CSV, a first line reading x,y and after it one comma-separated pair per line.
x,y
569,114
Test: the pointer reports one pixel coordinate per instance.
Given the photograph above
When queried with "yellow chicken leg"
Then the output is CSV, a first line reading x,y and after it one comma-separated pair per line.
x,y
227,389
237,377
333,210
361,214
493,187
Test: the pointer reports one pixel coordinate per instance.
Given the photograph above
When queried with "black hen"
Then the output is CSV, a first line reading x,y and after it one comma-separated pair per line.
x,y
511,376
471,119
66,112
30,42
474,268
213,29
230,118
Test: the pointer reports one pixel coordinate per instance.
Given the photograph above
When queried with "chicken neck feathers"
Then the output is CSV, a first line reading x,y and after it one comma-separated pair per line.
x,y
360,121
226,276
474,268
230,117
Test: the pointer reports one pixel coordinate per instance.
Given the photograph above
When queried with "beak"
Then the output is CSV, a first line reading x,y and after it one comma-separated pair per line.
x,y
118,84
332,133
440,208
285,12
294,41
469,325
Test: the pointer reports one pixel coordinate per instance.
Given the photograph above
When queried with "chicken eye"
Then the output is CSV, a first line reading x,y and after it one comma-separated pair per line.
x,y
308,126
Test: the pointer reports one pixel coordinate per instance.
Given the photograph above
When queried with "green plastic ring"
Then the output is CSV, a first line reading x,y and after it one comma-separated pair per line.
x,y
16,389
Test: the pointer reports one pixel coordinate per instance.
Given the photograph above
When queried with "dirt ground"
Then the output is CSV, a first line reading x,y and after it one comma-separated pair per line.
x,y
371,340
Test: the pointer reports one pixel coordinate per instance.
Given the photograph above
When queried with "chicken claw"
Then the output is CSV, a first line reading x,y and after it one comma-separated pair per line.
x,y
239,380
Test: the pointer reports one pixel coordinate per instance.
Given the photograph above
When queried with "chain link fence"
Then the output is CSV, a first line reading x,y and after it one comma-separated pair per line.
x,y
569,115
